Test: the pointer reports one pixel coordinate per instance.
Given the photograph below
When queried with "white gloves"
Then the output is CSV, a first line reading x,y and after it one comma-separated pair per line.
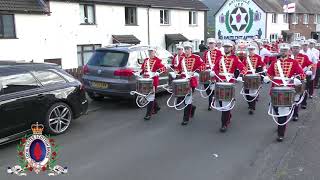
x,y
195,74
239,79
296,82
156,74
266,79
308,73
173,75
265,70
136,73
212,73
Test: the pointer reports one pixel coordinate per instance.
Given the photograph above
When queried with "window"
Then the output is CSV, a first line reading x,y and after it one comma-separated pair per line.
x,y
7,26
109,59
274,18
164,17
12,83
295,19
48,78
285,18
306,19
317,19
85,52
87,14
131,15
193,18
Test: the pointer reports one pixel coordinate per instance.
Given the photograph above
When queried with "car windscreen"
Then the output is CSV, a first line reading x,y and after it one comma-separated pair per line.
x,y
109,59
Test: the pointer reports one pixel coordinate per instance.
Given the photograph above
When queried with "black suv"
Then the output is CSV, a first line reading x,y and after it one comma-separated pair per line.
x,y
34,92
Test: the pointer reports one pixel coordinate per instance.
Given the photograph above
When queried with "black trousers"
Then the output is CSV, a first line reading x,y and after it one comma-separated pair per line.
x,y
225,117
208,91
316,80
281,120
152,107
189,110
310,85
252,105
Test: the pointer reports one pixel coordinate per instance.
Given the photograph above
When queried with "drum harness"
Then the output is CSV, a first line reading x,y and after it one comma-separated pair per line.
x,y
285,81
232,103
256,93
143,100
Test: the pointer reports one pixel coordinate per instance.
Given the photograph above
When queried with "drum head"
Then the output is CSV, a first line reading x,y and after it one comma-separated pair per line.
x,y
283,88
144,80
224,84
179,80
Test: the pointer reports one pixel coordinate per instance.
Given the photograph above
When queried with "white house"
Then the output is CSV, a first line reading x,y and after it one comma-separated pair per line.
x,y
248,18
67,32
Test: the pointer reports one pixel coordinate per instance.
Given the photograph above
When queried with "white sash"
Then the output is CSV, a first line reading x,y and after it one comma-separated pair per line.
x,y
209,59
177,60
226,74
283,79
250,65
185,68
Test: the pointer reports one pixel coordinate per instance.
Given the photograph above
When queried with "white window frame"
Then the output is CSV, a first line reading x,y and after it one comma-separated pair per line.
x,y
316,18
274,18
165,23
305,18
194,18
295,19
84,14
285,18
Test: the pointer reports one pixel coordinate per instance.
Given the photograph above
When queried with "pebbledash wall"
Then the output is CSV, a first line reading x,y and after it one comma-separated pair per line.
x,y
238,19
57,35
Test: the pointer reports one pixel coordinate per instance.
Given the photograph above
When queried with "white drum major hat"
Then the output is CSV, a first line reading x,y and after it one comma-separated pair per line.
x,y
211,40
313,41
284,46
304,42
179,46
187,44
227,43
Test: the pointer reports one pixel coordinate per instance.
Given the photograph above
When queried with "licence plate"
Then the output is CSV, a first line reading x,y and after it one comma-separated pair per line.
x,y
99,85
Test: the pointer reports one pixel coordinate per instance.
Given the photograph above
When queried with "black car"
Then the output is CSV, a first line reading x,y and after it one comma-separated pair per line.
x,y
37,92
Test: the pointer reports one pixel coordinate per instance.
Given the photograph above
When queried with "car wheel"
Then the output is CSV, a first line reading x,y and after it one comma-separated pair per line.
x,y
95,97
58,119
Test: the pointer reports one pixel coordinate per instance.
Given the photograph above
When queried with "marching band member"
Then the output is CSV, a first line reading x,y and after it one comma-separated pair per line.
x,y
210,57
224,69
306,65
254,65
280,71
219,46
177,57
316,81
189,67
316,55
152,67
307,51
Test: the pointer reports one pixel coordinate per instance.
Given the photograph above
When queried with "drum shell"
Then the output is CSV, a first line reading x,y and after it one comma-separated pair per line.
x,y
204,77
144,86
251,81
282,96
180,88
170,78
224,91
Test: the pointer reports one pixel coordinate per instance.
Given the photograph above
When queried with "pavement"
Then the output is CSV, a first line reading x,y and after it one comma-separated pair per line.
x,y
113,142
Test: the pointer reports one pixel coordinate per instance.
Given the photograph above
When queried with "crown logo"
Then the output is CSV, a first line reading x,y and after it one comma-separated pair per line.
x,y
37,128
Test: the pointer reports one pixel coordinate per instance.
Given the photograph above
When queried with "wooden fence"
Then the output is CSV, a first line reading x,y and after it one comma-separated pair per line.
x,y
75,72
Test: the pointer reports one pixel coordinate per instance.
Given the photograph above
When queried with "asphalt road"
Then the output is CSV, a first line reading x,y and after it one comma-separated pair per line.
x,y
113,142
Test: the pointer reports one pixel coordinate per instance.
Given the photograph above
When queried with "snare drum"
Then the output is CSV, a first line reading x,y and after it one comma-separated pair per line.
x,y
300,88
170,78
282,96
251,81
144,85
181,87
204,77
224,91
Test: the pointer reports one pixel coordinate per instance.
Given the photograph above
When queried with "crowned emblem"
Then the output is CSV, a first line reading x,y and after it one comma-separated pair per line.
x,y
38,153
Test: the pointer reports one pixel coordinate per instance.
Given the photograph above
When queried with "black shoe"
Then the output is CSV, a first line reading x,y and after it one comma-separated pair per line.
x,y
223,129
280,139
303,107
209,108
295,119
250,111
147,118
184,123
193,110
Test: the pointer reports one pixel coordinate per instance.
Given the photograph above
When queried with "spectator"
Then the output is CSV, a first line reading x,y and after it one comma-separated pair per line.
x,y
202,47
